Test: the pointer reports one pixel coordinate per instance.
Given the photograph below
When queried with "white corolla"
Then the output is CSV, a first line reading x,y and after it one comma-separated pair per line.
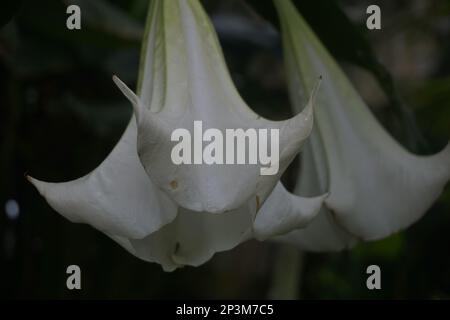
x,y
173,214
376,187
360,183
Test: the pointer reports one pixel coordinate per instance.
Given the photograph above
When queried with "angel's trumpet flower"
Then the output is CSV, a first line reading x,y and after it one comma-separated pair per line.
x,y
182,214
376,187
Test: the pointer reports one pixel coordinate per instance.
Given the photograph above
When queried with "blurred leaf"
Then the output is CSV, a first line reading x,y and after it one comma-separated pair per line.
x,y
33,58
123,63
102,24
8,8
433,100
100,117
139,8
104,17
386,249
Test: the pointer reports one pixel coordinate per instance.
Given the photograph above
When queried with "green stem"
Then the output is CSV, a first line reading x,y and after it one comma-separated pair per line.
x,y
287,274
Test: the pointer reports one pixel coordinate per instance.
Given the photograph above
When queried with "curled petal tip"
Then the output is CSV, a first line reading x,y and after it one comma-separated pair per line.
x,y
33,181
284,212
44,188
308,110
446,155
131,96
304,121
29,178
312,99
39,185
447,149
440,160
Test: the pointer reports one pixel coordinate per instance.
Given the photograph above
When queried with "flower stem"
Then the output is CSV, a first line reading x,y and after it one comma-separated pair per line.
x,y
287,274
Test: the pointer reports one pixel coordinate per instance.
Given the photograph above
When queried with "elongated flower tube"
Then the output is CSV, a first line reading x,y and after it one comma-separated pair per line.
x,y
195,85
178,216
376,187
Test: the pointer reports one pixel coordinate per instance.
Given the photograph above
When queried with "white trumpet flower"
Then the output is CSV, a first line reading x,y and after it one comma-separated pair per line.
x,y
195,85
376,187
181,215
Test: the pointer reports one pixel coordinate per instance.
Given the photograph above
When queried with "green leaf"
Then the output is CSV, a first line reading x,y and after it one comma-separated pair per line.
x,y
8,8
102,24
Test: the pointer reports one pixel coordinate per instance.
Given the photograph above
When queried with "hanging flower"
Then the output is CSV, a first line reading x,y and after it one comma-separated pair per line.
x,y
376,187
174,214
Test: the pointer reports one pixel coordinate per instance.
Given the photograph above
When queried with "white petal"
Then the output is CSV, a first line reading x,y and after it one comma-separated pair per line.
x,y
194,84
119,199
376,186
193,237
323,233
116,198
284,212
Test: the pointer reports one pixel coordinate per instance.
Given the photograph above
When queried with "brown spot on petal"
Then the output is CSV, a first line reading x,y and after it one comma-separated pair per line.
x,y
173,184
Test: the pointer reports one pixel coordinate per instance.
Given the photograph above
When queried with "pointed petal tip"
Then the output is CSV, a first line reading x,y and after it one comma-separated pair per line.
x,y
446,155
30,178
39,185
440,160
315,90
308,111
299,127
44,188
130,95
446,150
306,117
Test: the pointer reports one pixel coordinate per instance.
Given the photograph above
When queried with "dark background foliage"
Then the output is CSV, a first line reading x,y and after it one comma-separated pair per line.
x,y
60,115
